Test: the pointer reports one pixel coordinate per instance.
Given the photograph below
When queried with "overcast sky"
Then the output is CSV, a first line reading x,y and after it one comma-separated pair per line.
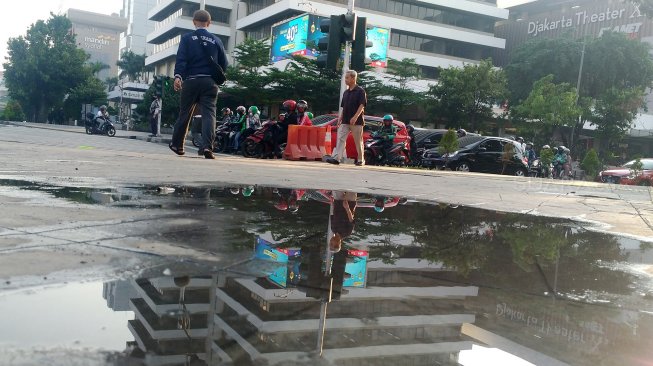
x,y
16,15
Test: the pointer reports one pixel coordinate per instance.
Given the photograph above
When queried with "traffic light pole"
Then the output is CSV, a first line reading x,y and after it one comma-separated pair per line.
x,y
345,65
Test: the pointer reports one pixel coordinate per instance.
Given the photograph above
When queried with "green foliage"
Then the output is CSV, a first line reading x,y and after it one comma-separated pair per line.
x,y
13,111
399,97
132,65
251,55
448,143
170,103
616,70
111,82
91,91
465,96
591,163
44,65
637,167
546,157
527,252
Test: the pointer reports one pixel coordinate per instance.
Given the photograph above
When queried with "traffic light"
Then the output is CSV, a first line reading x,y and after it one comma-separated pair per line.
x,y
330,45
359,45
158,84
348,27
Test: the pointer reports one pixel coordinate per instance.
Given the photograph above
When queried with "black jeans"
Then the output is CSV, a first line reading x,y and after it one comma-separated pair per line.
x,y
154,122
197,95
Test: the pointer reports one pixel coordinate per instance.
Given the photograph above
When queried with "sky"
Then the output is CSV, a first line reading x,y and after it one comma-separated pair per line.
x,y
17,15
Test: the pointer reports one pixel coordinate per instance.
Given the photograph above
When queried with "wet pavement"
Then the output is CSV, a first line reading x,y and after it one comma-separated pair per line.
x,y
251,275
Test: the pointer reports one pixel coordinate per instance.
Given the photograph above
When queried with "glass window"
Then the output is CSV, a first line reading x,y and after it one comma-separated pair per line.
x,y
414,11
390,8
406,10
647,164
394,39
374,4
410,43
403,40
365,4
430,14
383,5
398,7
493,146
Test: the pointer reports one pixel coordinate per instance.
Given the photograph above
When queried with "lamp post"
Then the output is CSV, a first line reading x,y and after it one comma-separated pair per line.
x,y
580,77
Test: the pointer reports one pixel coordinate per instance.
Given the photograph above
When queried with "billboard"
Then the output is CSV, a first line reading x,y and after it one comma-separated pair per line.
x,y
297,36
378,53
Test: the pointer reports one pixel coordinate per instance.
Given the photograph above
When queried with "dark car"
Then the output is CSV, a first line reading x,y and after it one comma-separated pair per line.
x,y
372,124
426,138
624,174
481,154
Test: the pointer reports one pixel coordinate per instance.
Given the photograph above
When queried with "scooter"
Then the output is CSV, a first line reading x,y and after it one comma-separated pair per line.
x,y
261,143
397,155
106,126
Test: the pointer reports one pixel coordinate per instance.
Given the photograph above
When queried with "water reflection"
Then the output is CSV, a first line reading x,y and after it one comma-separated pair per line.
x,y
409,284
300,276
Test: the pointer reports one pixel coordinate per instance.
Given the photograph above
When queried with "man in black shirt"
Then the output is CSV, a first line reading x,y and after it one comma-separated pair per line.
x,y
342,218
351,119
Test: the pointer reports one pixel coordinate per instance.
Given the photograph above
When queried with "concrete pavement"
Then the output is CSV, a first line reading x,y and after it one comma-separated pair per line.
x,y
65,155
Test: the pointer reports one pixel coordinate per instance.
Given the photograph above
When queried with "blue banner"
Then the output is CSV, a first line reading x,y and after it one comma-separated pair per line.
x,y
297,36
378,53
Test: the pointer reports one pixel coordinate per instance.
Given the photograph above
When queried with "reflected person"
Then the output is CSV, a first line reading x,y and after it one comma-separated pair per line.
x,y
343,208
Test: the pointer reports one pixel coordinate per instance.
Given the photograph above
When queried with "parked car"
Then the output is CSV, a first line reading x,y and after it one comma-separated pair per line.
x,y
372,124
481,154
624,175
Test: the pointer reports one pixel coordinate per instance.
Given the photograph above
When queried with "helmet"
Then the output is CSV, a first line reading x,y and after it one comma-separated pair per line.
x,y
289,105
461,132
234,190
253,109
379,204
241,109
225,110
530,144
247,191
546,147
310,115
388,117
561,148
302,105
520,139
281,206
103,107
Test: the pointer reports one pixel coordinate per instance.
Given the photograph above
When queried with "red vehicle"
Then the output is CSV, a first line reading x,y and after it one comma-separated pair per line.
x,y
623,175
372,124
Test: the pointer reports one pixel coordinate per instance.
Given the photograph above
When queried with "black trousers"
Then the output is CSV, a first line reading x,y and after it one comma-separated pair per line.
x,y
198,96
154,122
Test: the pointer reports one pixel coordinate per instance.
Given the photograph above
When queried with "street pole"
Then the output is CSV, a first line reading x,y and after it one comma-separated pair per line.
x,y
158,120
580,76
345,65
202,4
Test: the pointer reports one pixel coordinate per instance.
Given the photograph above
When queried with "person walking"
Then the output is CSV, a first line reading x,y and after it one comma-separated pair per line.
x,y
193,71
155,110
354,101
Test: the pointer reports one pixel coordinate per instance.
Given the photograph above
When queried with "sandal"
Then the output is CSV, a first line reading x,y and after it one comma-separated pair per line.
x,y
176,150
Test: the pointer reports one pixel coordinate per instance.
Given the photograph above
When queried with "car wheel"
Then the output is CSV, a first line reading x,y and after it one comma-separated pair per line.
x,y
462,167
520,173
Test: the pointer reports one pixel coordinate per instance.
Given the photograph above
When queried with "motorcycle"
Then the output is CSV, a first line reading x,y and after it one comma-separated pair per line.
x,y
106,126
261,142
416,157
224,136
562,171
397,155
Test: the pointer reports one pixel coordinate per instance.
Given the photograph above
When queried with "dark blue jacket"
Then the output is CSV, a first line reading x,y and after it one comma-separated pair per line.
x,y
191,59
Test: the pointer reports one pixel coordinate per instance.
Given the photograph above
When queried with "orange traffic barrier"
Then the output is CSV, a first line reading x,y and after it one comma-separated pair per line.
x,y
307,143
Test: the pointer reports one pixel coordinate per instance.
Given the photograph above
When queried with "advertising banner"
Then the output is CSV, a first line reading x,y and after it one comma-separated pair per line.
x,y
297,36
378,53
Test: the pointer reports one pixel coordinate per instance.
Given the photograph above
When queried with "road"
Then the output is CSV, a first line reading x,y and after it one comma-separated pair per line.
x,y
66,156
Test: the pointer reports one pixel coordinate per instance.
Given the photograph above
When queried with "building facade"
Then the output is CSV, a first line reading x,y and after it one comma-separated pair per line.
x,y
579,19
134,38
437,33
99,36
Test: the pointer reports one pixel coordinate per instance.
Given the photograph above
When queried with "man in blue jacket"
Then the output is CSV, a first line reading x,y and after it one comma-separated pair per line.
x,y
198,90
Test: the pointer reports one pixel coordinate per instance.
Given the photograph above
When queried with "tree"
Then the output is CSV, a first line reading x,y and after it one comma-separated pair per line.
x,y
132,65
548,106
465,96
91,91
170,103
616,70
591,164
13,111
251,55
400,94
44,65
248,80
448,145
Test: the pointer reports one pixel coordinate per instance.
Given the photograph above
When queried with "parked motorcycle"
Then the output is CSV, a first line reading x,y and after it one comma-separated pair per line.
x,y
106,127
397,155
260,144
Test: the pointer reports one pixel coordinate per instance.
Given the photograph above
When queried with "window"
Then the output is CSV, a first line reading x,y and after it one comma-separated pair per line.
x,y
403,41
410,44
374,4
414,11
406,10
647,164
383,5
493,146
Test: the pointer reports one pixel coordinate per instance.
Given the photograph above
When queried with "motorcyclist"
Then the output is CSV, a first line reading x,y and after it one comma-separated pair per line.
x,y
386,134
238,123
520,140
461,132
101,117
546,159
302,114
252,123
530,154
280,134
410,129
227,115
560,161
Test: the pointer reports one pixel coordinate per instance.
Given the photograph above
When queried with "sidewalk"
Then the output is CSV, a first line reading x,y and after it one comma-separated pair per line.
x,y
120,133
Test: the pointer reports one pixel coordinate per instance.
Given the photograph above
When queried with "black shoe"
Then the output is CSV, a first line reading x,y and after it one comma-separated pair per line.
x,y
333,161
208,154
359,163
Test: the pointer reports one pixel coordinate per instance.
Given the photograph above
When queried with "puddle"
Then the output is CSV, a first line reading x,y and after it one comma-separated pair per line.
x,y
252,275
